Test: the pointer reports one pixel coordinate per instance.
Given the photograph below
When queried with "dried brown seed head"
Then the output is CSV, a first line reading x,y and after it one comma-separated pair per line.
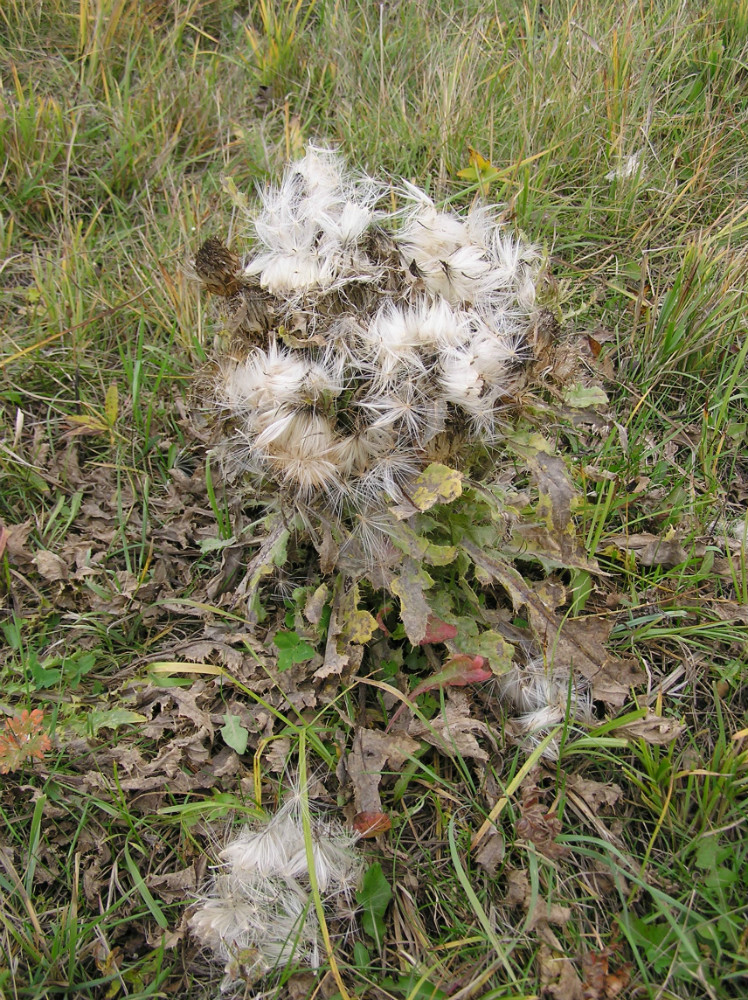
x,y
218,267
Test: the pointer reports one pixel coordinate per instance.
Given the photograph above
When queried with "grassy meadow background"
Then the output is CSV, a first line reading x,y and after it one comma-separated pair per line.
x,y
619,138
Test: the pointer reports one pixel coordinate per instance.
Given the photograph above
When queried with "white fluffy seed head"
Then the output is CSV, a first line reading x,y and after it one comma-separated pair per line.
x,y
544,697
257,912
392,340
309,230
512,260
303,456
356,453
265,380
407,411
428,233
390,476
265,850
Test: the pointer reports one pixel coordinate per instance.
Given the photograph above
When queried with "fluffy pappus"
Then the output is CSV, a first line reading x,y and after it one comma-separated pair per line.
x,y
256,911
544,697
408,410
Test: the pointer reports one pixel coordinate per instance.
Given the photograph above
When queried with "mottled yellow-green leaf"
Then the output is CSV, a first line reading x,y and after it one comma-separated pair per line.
x,y
420,548
355,625
494,648
528,443
436,484
359,627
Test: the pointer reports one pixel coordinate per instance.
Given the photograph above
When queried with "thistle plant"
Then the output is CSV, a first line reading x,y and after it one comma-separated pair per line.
x,y
373,333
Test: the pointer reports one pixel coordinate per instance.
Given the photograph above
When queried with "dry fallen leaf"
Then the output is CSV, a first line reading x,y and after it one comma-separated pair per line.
x,y
539,911
174,886
653,550
598,795
599,982
537,824
452,729
203,650
186,702
371,824
558,976
729,611
370,753
50,566
517,887
652,729
315,604
15,536
491,852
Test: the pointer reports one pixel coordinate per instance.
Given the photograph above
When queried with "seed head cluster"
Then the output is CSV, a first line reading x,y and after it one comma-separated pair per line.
x,y
374,331
257,913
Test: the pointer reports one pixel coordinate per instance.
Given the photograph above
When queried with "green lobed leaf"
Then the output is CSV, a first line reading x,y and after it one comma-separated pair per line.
x,y
113,718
